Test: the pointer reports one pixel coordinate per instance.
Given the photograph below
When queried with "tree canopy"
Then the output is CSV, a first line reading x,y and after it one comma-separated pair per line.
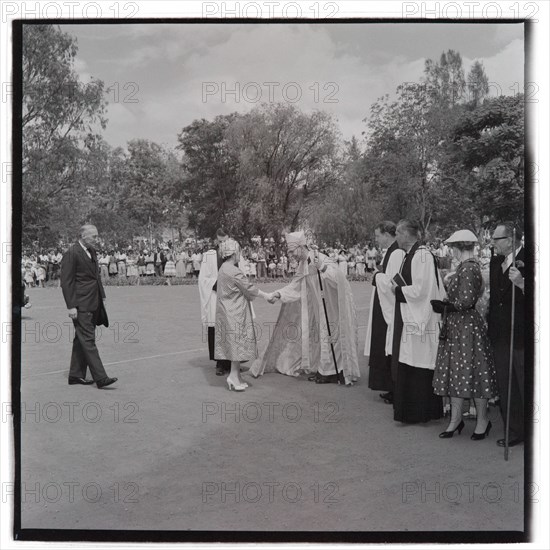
x,y
439,151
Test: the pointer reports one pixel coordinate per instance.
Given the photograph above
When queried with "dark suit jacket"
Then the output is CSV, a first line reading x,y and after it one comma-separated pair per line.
x,y
81,283
500,303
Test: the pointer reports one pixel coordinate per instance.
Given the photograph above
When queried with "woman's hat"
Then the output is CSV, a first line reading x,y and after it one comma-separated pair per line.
x,y
462,236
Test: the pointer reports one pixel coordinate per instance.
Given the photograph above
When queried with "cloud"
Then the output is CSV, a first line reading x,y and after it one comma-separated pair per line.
x,y
82,70
174,65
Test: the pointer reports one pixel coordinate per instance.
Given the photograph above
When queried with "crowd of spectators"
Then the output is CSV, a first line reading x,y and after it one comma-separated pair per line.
x,y
260,260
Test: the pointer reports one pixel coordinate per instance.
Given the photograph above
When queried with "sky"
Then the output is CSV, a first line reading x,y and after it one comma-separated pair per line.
x,y
164,76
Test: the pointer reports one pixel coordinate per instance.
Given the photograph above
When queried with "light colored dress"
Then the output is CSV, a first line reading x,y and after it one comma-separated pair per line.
x,y
343,263
104,267
360,264
131,268
40,273
180,265
235,335
170,267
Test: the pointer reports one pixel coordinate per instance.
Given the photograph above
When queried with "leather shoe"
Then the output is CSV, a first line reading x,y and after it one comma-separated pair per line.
x,y
330,379
387,397
76,380
511,442
106,382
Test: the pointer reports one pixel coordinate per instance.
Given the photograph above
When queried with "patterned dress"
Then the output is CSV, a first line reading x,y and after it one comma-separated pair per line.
x,y
465,366
235,332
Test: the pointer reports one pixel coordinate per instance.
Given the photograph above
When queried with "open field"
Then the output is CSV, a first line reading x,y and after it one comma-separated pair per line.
x,y
170,448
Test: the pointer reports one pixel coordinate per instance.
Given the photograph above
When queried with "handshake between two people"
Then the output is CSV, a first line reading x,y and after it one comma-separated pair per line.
x,y
271,297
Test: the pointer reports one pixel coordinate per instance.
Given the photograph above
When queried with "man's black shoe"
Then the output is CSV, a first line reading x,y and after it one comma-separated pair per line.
x,y
220,371
76,380
106,382
329,379
511,442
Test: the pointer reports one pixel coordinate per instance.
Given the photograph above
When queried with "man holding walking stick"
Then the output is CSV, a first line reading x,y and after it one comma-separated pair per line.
x,y
507,272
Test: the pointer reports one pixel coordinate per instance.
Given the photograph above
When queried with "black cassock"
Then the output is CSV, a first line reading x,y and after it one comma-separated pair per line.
x,y
380,377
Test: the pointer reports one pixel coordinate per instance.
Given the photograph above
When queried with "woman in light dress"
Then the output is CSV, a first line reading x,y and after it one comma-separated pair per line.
x,y
343,262
170,266
235,336
103,262
180,265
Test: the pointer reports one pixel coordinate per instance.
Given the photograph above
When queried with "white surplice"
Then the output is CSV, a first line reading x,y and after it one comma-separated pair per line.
x,y
208,275
385,295
420,336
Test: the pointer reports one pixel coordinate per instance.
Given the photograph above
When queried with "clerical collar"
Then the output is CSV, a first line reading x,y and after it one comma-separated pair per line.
x,y
411,247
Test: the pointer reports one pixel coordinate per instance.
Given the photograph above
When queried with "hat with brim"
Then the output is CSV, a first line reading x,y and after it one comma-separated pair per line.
x,y
462,236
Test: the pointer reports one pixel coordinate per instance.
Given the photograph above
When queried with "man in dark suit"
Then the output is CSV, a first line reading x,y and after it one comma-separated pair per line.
x,y
502,276
84,295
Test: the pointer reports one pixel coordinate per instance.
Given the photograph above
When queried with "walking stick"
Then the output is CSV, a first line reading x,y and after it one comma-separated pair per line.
x,y
339,374
510,362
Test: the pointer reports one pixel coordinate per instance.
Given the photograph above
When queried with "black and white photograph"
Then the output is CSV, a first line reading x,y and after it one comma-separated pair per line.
x,y
274,272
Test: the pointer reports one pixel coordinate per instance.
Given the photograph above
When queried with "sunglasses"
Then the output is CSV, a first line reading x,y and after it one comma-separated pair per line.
x,y
498,238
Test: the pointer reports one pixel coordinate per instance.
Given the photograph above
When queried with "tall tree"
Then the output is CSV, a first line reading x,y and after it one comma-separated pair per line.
x,y
209,182
444,79
286,159
58,115
489,146
406,142
478,84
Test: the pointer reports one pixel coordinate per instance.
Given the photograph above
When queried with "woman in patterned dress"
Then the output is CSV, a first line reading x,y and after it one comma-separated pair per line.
x,y
464,366
235,338
170,267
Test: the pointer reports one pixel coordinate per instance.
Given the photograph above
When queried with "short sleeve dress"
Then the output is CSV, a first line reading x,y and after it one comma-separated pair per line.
x,y
465,366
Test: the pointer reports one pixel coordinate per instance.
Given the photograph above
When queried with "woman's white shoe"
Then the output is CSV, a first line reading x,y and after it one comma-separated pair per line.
x,y
235,385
